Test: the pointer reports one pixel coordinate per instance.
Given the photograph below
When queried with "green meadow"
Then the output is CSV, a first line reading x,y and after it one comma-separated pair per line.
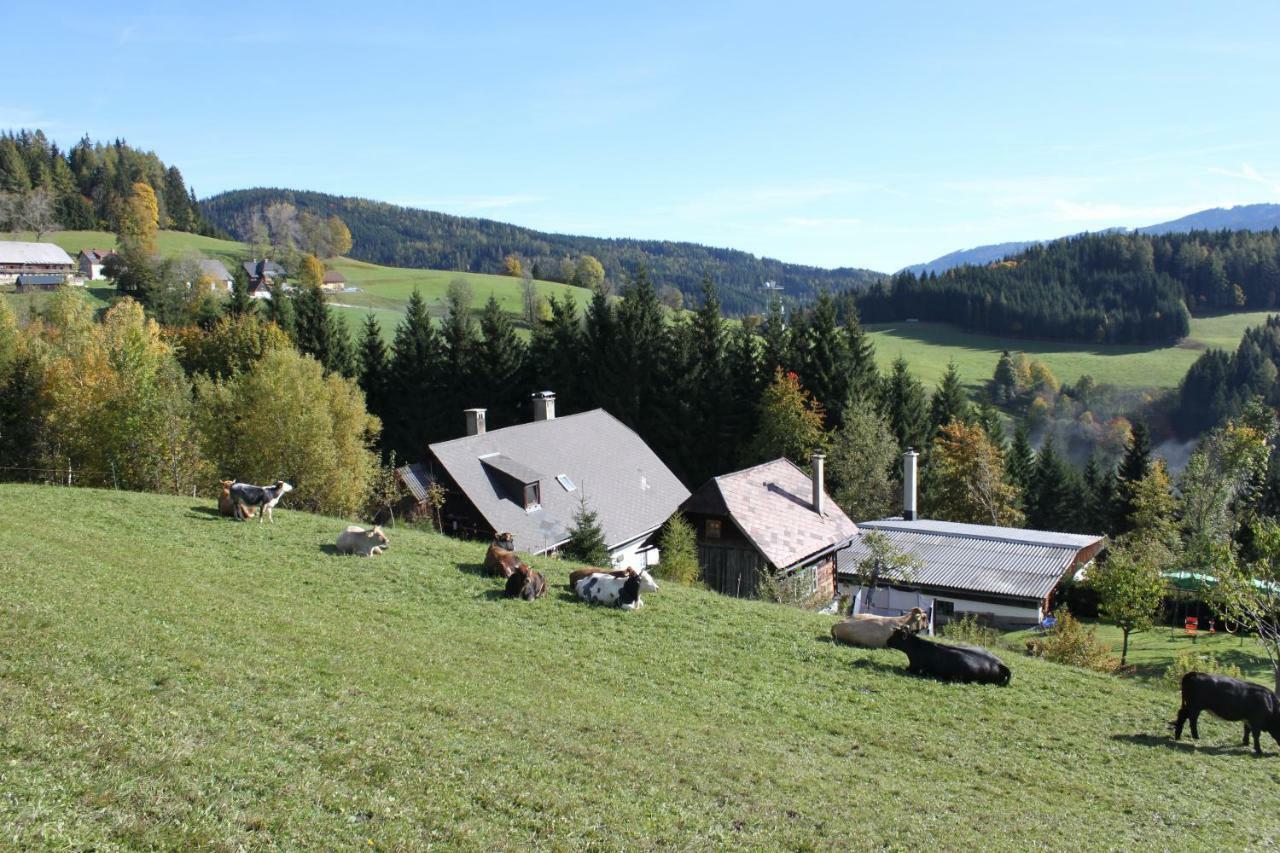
x,y
172,679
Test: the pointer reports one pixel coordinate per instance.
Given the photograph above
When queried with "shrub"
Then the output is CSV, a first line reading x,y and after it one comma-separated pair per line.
x,y
970,630
1071,643
679,561
1194,660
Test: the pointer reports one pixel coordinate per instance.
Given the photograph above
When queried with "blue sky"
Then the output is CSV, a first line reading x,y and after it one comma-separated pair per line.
x,y
838,134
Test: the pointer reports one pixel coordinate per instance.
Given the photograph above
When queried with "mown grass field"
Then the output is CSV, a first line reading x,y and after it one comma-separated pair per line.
x,y
928,347
172,679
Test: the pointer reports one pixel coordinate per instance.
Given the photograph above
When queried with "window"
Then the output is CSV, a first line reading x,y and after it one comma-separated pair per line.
x,y
565,482
532,496
713,528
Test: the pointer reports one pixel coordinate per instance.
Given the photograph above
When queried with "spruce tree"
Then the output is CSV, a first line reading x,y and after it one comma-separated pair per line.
x,y
586,538
823,358
410,419
863,375
777,337
636,374
280,310
559,360
500,366
950,402
904,403
375,366
1135,465
320,334
1056,492
1021,464
240,303
711,439
599,337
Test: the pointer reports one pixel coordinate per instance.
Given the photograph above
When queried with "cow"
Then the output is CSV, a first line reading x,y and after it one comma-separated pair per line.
x,y
501,559
578,574
525,583
367,543
949,663
873,632
225,505
245,496
602,588
1231,699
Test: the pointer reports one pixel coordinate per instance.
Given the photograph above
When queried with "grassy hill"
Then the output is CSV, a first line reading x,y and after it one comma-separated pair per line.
x,y
170,678
928,347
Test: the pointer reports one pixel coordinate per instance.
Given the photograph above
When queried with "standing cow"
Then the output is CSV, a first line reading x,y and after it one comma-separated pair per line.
x,y
1231,699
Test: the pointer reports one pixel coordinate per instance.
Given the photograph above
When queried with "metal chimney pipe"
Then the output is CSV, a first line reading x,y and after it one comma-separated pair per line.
x,y
910,460
475,421
819,491
544,405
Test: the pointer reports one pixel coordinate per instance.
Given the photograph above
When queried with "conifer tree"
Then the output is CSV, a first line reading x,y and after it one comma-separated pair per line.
x,y
500,366
240,303
904,403
679,551
409,420
823,357
586,538
320,334
863,375
777,337
712,441
1135,465
375,366
1021,464
599,336
280,310
989,419
559,360
636,376
950,402
1056,492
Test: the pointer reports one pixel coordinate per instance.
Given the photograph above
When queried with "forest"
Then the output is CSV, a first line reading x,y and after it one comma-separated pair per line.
x,y
86,187
1220,383
407,237
1110,287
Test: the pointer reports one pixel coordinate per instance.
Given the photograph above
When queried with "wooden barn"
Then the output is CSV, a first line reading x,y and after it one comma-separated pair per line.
x,y
772,520
43,259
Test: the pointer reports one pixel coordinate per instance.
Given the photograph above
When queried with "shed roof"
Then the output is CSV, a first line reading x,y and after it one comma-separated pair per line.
x,y
31,278
624,481
772,504
15,252
979,558
334,277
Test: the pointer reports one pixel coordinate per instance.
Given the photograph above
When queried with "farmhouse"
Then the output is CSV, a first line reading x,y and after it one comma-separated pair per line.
x,y
33,258
215,272
92,263
261,275
529,479
1005,575
333,280
769,519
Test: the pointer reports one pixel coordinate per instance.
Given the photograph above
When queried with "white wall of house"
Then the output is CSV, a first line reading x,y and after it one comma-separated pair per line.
x,y
890,601
632,555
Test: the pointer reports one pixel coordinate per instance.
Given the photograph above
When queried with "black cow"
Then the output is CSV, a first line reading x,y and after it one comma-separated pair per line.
x,y
525,583
1231,699
950,663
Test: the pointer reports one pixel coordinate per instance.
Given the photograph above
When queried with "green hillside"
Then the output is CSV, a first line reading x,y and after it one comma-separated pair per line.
x,y
928,347
172,679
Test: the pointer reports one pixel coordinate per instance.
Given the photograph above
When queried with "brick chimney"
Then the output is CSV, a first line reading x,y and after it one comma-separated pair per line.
x,y
475,421
544,405
910,459
819,484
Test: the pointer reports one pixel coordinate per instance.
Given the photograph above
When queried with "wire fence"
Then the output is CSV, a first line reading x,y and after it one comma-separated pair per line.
x,y
69,476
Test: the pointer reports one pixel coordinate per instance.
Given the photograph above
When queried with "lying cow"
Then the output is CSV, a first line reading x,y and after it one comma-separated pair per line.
x,y
624,592
367,543
578,574
873,632
525,583
949,663
225,505
501,559
1231,699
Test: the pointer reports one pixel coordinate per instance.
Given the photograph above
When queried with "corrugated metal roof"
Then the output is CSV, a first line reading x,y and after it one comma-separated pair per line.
x,y
32,278
624,481
416,479
977,558
16,252
772,504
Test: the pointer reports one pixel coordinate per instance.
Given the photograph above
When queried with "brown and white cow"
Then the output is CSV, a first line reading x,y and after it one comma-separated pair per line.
x,y
525,583
225,505
874,632
501,559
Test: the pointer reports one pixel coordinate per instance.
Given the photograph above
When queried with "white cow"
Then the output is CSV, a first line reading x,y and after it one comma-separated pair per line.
x,y
356,540
611,591
873,632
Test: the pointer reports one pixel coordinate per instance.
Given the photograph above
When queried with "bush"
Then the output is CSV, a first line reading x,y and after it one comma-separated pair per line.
x,y
969,630
1071,643
1194,660
679,562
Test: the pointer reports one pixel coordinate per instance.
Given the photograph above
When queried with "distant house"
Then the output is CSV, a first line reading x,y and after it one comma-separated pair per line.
x,y
527,480
28,282
261,276
770,520
334,280
1007,576
216,272
92,263
33,259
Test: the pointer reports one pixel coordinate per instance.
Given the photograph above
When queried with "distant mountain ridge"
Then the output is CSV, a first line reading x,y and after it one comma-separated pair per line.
x,y
1244,217
409,237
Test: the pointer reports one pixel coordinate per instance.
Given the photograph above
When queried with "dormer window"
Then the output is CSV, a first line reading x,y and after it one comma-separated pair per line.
x,y
518,483
532,496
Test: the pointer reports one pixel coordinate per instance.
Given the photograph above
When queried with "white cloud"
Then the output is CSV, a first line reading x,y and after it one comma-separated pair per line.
x,y
1248,173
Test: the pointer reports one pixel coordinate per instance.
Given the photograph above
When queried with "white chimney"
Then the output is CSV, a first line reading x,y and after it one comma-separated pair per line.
x,y
819,493
475,421
544,405
909,462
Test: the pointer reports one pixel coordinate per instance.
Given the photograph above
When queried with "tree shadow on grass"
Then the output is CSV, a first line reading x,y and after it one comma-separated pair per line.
x,y
1168,742
208,513
476,569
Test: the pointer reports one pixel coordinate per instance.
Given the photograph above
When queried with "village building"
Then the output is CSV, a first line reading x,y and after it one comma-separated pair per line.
x,y
529,479
771,521
29,282
262,274
92,263
333,280
214,271
18,258
1005,576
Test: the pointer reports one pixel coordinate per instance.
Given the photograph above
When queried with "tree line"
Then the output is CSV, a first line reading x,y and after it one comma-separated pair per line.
x,y
1097,288
407,237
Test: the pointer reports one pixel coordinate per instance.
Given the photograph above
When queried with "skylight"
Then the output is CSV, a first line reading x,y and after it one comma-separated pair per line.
x,y
563,480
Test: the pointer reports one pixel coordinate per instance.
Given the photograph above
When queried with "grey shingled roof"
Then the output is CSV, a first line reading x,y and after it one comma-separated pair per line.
x,y
980,558
772,504
16,252
214,269
626,484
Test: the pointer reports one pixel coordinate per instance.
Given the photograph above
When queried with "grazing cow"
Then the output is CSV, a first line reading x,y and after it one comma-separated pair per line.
x,y
225,505
245,496
367,543
949,663
873,631
1231,699
578,574
525,583
602,588
501,559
